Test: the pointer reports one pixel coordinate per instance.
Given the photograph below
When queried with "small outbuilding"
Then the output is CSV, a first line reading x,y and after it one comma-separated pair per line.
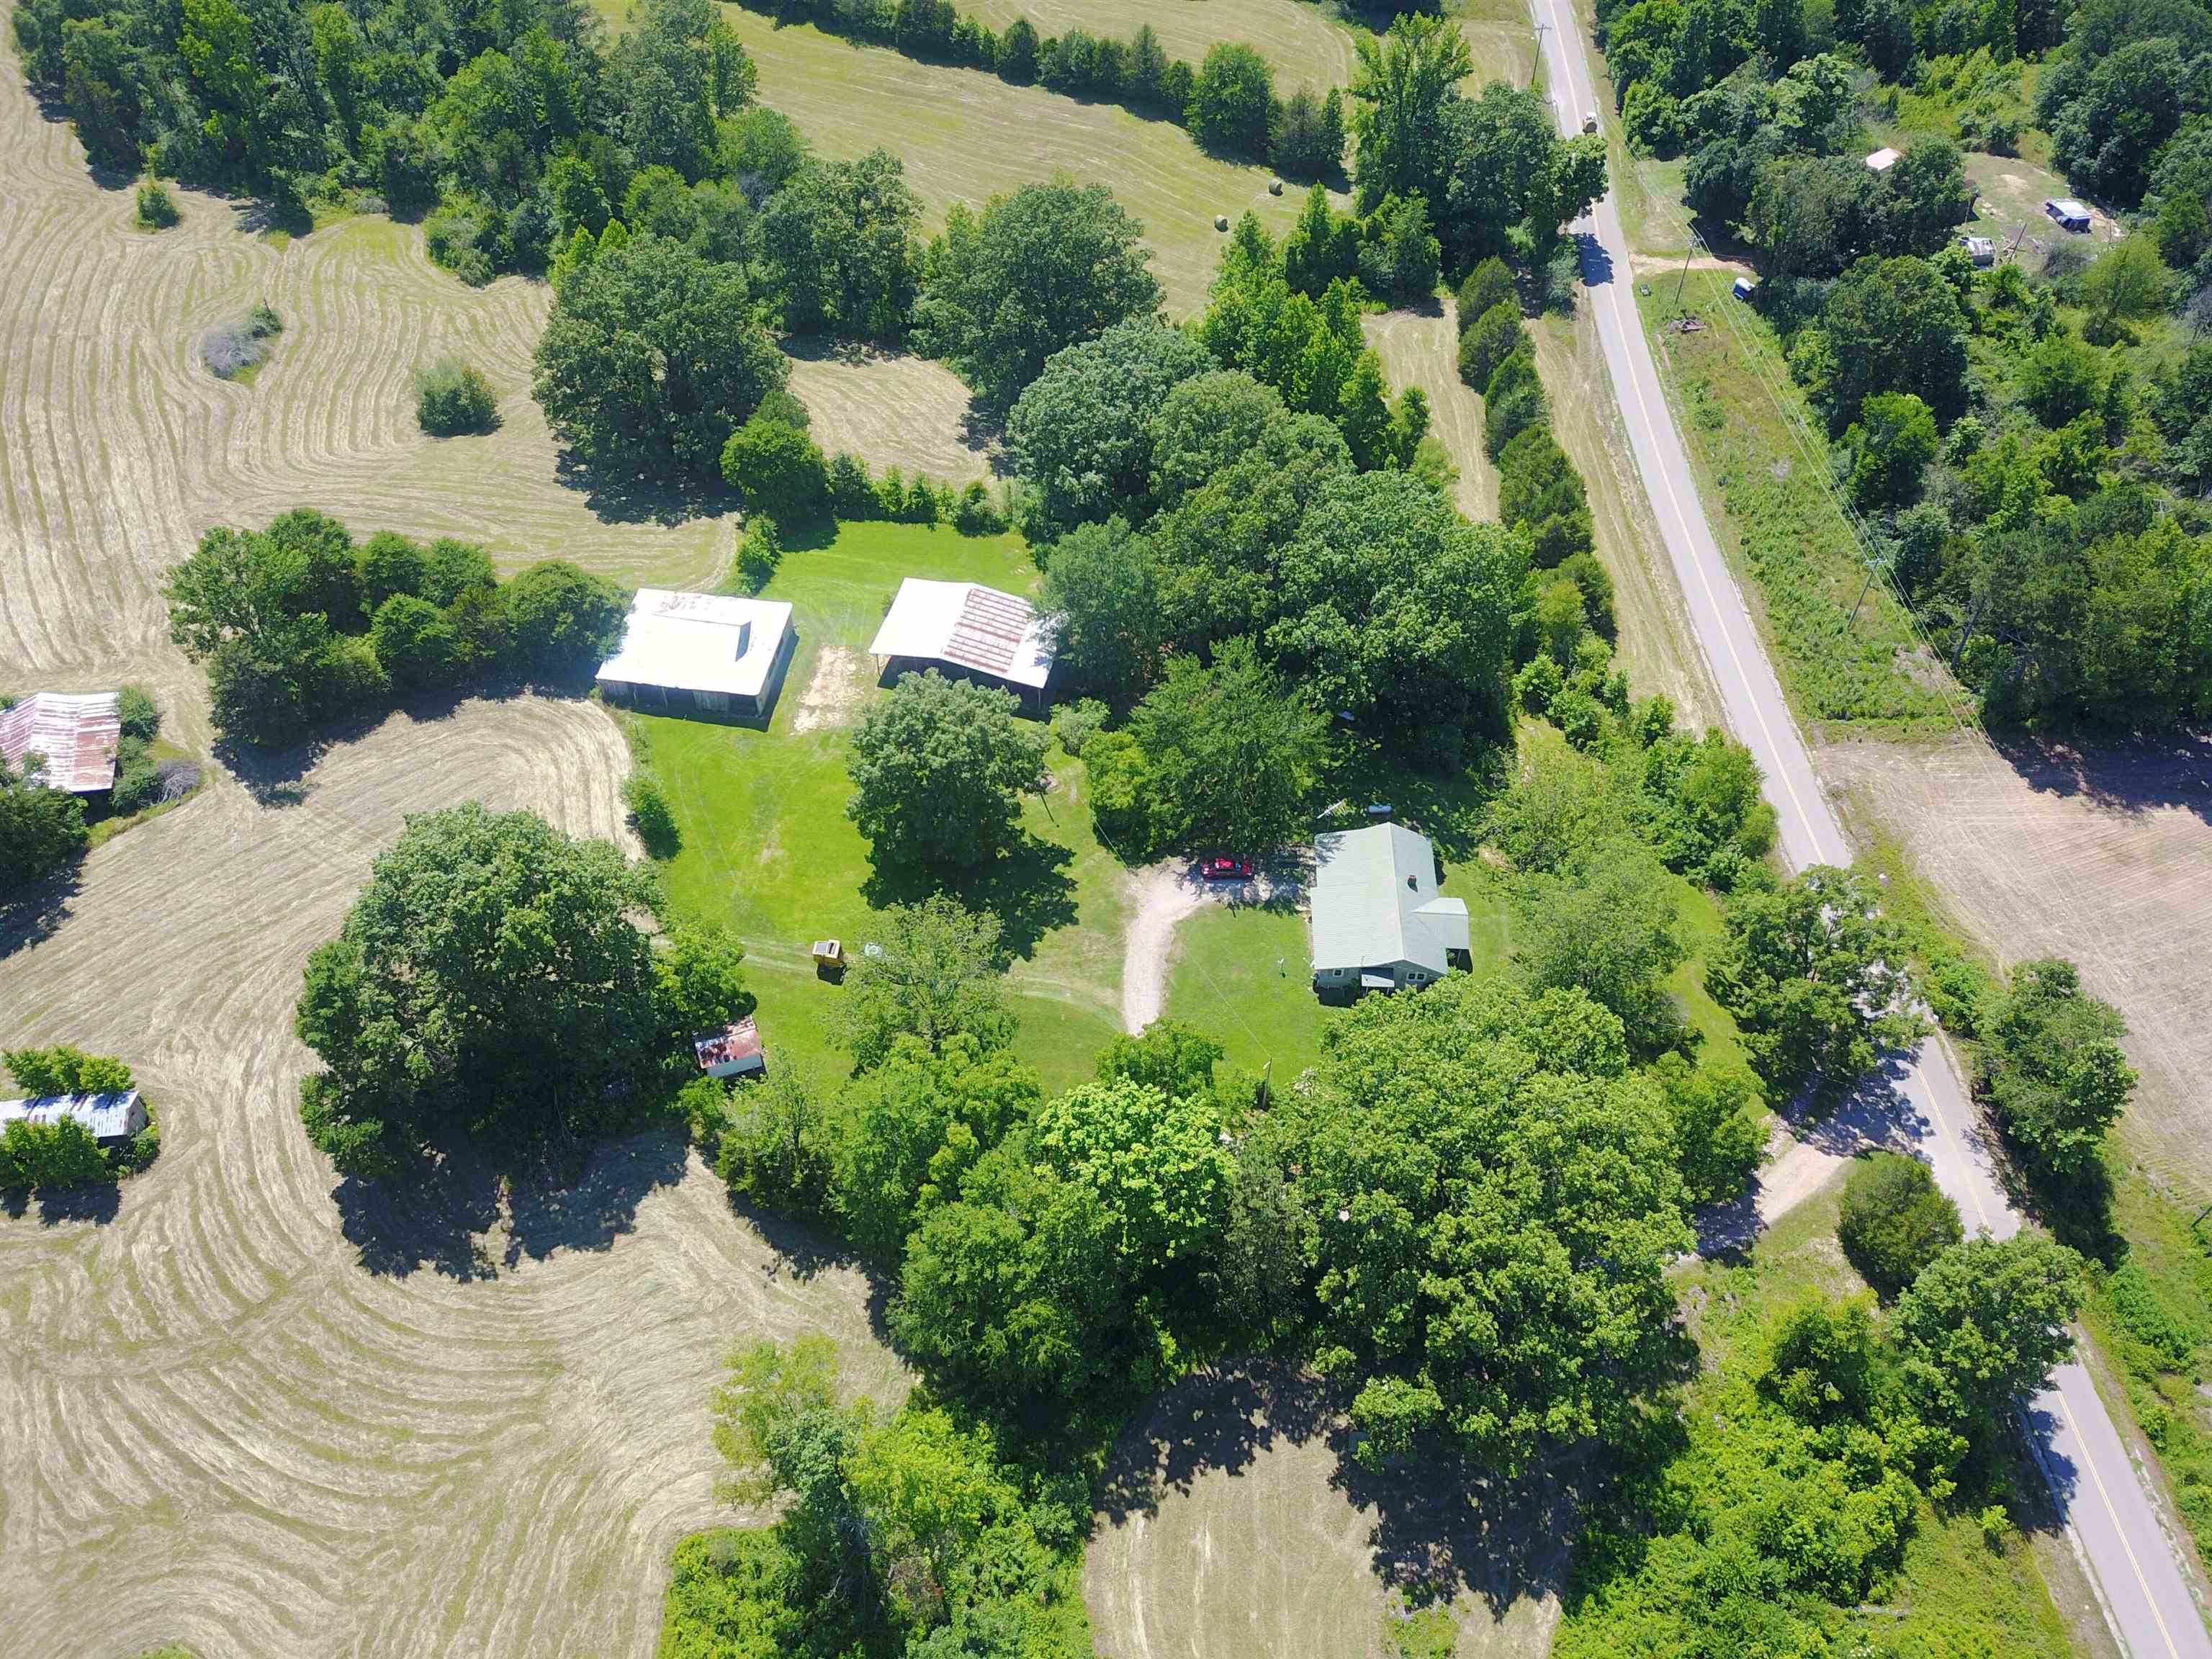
x,y
113,1119
969,631
1883,159
75,736
1379,923
733,1051
1743,288
702,654
2070,214
1982,250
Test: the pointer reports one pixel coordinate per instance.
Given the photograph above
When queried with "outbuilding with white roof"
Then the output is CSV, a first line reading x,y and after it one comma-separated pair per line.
x,y
709,654
111,1119
968,630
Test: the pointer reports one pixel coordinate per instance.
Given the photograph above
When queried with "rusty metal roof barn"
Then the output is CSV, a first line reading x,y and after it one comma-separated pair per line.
x,y
76,736
969,626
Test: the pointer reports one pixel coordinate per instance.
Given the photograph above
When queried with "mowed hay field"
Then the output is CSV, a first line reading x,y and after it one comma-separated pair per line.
x,y
966,136
248,1408
1303,44
2103,856
890,407
1238,1526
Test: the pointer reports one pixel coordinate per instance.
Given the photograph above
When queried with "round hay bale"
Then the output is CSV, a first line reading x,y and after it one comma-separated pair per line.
x,y
1221,222
1274,188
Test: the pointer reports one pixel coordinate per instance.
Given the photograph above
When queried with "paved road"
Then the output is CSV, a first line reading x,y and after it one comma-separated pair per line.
x,y
2114,1523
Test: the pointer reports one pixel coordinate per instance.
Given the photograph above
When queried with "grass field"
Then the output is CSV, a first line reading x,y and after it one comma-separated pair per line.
x,y
966,136
1842,662
248,1411
769,851
1304,45
896,409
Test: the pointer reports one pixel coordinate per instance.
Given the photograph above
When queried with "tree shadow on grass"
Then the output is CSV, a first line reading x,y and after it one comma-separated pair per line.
x,y
618,497
277,778
1435,1530
2172,769
96,1201
1027,888
35,911
438,1214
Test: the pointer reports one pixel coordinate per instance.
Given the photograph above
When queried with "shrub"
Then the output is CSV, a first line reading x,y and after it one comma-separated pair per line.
x,y
137,788
451,397
775,466
651,816
975,514
760,553
1489,283
141,715
1076,723
1894,1221
157,209
1487,341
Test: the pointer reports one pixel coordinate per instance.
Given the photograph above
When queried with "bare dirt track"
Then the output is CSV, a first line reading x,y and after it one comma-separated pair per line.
x,y
2104,856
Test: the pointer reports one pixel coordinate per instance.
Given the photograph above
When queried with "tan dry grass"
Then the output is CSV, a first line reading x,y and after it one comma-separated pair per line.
x,y
1655,644
221,1427
118,448
1421,348
966,136
1234,1527
1304,45
2101,856
892,407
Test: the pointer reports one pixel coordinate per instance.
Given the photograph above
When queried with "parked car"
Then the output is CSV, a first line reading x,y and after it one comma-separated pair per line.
x,y
1225,868
1590,120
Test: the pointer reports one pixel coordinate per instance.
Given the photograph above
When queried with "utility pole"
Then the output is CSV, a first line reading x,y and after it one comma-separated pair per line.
x,y
1536,64
1682,278
1872,568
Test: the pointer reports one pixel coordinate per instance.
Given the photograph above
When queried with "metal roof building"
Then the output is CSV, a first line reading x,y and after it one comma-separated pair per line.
x,y
76,736
1883,159
701,653
1379,923
110,1117
732,1051
2069,213
967,627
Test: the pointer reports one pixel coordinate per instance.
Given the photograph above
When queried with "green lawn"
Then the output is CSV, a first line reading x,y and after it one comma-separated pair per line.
x,y
767,851
1244,976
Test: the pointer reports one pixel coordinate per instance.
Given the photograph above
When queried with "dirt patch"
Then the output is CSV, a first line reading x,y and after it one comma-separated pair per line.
x,y
891,407
843,679
2102,855
1235,1524
1160,896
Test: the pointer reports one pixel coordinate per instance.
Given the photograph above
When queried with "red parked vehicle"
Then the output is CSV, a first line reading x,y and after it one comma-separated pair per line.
x,y
1224,869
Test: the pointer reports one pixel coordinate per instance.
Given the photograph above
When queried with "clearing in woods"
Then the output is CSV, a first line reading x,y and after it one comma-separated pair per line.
x,y
1302,44
891,407
966,136
247,1410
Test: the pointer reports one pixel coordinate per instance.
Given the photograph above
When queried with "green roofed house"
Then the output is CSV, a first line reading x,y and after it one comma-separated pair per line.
x,y
1379,923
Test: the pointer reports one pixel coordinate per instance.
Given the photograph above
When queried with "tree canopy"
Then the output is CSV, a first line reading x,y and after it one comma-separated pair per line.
x,y
493,976
1495,1204
939,768
1045,268
653,358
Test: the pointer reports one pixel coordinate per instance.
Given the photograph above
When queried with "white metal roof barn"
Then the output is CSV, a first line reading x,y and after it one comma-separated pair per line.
x,y
700,651
968,626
